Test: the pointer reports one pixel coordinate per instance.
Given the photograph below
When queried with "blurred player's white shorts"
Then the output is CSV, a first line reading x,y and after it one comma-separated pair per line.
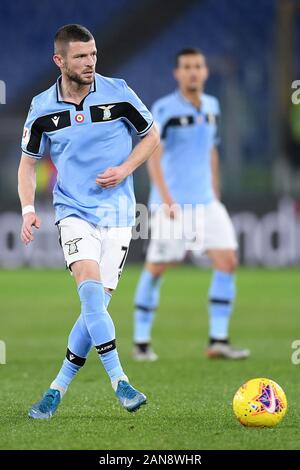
x,y
107,245
194,229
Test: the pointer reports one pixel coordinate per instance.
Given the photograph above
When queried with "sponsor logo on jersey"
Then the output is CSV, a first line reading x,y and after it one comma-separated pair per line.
x,y
55,120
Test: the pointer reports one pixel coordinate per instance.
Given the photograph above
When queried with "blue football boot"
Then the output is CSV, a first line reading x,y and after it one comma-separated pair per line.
x,y
130,398
46,407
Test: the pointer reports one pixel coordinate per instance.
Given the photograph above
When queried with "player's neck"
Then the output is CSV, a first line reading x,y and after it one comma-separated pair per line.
x,y
72,91
194,97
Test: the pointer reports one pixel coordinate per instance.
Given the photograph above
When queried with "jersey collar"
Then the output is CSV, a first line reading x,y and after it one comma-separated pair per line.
x,y
58,93
187,102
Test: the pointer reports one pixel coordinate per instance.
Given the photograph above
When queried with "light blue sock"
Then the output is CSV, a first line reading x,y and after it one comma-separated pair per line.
x,y
221,297
146,302
107,298
100,326
79,346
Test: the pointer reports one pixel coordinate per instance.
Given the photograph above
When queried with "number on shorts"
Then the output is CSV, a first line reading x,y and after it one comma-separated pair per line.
x,y
125,249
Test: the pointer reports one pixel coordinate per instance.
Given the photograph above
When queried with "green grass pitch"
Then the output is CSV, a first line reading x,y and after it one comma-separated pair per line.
x,y
189,395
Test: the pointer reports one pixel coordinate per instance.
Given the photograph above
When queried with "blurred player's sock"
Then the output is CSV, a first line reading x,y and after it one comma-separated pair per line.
x,y
79,345
146,302
100,326
221,297
144,352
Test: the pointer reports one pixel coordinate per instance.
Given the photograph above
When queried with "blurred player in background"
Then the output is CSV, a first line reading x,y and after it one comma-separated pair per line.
x,y
85,121
184,171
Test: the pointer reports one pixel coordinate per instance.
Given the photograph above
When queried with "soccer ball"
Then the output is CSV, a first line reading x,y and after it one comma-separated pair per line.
x,y
260,403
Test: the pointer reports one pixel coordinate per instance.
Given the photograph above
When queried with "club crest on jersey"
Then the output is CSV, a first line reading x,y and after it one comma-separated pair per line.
x,y
184,121
72,244
211,118
106,111
79,118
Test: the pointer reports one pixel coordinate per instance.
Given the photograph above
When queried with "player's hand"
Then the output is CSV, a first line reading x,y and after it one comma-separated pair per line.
x,y
170,208
29,220
112,176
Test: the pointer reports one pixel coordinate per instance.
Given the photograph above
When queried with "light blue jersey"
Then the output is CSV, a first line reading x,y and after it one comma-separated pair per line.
x,y
84,140
188,136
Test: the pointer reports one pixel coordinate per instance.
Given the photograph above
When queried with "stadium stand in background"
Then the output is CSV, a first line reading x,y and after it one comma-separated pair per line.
x,y
251,54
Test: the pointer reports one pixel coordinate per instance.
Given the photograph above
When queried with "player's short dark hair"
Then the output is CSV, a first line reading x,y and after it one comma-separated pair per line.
x,y
187,51
71,33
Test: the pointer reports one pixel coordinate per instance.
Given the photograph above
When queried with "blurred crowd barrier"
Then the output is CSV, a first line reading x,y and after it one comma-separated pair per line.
x,y
271,239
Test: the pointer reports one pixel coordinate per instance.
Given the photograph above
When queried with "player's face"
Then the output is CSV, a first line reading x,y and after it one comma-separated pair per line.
x,y
191,72
79,62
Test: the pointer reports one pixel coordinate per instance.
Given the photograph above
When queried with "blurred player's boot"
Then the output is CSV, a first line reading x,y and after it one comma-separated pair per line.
x,y
144,352
130,398
46,407
223,349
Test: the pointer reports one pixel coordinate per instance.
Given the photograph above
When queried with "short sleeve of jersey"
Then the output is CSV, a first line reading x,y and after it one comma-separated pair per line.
x,y
217,112
159,116
34,141
137,115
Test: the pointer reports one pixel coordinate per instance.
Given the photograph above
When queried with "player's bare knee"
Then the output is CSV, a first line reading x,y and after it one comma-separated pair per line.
x,y
230,263
156,269
108,290
85,269
227,263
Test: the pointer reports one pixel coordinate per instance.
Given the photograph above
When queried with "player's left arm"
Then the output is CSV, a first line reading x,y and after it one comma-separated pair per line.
x,y
215,171
141,152
214,151
139,118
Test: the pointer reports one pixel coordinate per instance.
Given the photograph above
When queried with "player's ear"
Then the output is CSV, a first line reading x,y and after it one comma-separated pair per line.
x,y
175,73
58,60
206,75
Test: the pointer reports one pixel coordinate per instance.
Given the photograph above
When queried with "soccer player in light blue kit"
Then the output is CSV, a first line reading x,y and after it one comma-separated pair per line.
x,y
184,175
85,121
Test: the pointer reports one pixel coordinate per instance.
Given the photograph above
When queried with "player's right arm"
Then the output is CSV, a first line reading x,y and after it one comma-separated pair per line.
x,y
160,115
26,190
34,144
157,178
